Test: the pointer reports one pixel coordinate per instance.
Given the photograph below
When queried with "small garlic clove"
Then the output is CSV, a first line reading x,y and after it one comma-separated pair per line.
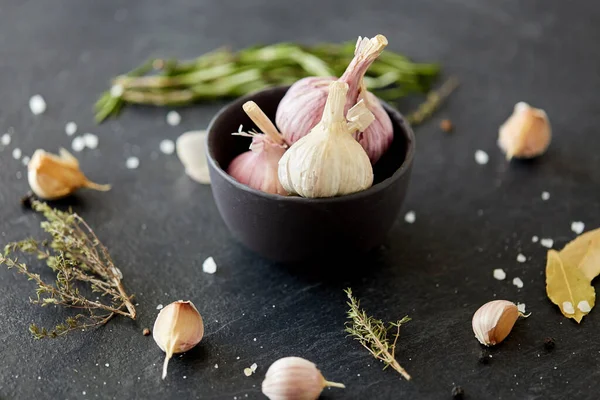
x,y
526,133
191,150
294,378
52,177
177,329
493,321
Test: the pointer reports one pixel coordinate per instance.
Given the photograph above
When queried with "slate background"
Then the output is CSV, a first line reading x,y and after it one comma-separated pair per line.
x,y
160,226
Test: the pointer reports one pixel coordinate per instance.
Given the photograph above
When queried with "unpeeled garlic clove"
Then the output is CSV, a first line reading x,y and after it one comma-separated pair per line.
x,y
493,321
191,150
53,176
526,134
178,328
294,378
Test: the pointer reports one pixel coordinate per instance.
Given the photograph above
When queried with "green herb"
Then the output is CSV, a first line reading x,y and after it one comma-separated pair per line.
x,y
77,257
434,100
224,73
373,333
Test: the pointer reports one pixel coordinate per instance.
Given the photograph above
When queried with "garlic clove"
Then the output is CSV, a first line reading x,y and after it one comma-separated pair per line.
x,y
493,321
191,150
177,329
53,176
294,378
526,133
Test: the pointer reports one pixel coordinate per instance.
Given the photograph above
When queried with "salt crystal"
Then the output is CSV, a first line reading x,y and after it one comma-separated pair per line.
x,y
78,144
132,162
577,227
481,157
37,104
209,266
25,160
499,274
535,239
90,140
5,140
548,243
159,307
216,365
83,392
70,128
518,282
567,307
116,90
545,196
184,377
173,118
167,146
521,308
410,217
255,339
17,153
254,366
107,365
584,306
521,258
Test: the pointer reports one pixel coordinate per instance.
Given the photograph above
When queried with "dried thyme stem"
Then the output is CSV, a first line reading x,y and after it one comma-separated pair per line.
x,y
434,100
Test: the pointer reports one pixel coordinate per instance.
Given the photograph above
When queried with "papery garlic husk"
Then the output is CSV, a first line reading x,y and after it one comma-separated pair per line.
x,y
294,378
328,161
177,329
191,150
494,320
53,176
302,106
258,167
526,133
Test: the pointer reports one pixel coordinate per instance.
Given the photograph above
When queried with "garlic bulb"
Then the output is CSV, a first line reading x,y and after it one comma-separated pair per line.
x,y
526,134
191,150
294,378
328,161
52,177
178,328
494,320
257,168
302,106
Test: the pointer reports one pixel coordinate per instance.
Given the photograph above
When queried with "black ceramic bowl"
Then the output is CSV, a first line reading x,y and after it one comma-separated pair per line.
x,y
292,229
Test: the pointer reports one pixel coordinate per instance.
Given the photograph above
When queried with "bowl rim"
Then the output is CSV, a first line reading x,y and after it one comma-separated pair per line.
x,y
400,172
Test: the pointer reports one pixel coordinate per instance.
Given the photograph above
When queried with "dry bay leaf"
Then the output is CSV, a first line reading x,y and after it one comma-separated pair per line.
x,y
575,251
567,286
590,264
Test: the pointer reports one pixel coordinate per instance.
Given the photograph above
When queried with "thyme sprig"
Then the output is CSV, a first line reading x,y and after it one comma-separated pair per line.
x,y
76,256
373,333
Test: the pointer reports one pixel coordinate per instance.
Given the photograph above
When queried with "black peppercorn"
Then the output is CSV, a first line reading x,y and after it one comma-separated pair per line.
x,y
549,344
26,200
484,357
458,393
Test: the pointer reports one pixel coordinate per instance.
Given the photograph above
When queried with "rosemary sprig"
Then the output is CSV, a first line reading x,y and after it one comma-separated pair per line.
x,y
372,333
76,256
224,73
434,100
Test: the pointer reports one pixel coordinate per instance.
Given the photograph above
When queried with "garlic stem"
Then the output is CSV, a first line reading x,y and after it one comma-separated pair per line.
x,y
367,50
334,107
263,122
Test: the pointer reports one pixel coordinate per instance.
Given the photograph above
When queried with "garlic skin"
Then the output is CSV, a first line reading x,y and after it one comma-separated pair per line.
x,y
177,329
53,176
191,150
493,321
328,161
294,378
258,167
302,107
526,133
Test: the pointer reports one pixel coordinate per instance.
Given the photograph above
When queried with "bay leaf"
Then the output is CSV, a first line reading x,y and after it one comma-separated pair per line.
x,y
590,264
575,251
567,287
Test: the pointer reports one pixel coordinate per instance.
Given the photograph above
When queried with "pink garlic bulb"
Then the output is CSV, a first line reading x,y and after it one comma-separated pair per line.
x,y
301,108
258,167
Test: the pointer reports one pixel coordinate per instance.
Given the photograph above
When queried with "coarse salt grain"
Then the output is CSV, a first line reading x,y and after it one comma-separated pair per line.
x,y
521,258
16,153
481,157
518,282
173,118
90,140
499,274
545,196
521,308
253,367
535,239
167,146
216,365
584,306
159,307
132,162
209,266
5,140
567,307
25,160
548,243
78,144
577,227
70,128
116,90
410,217
107,365
37,104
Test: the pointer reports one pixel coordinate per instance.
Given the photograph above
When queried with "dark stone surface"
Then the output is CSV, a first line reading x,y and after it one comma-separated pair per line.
x,y
160,226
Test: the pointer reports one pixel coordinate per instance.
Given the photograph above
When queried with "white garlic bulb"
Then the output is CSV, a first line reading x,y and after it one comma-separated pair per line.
x,y
258,167
302,106
294,378
493,321
328,161
52,177
177,329
526,134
